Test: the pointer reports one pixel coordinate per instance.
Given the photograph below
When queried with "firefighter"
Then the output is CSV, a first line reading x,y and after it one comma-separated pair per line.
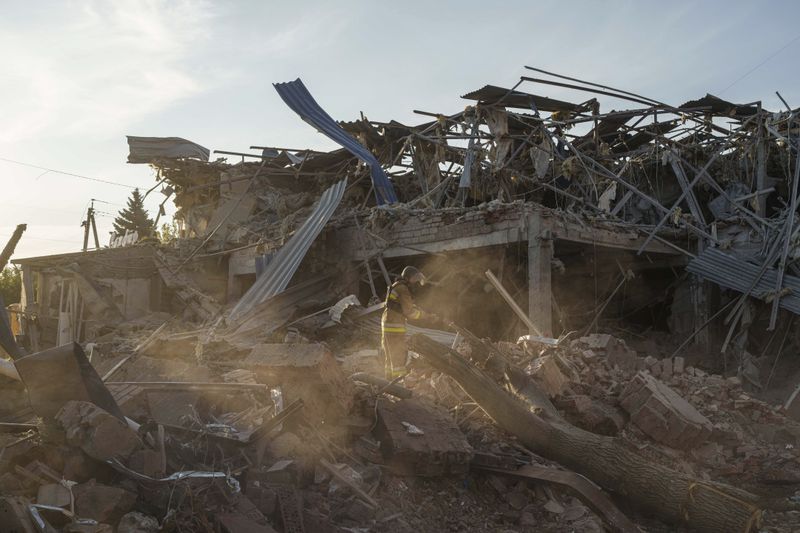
x,y
399,308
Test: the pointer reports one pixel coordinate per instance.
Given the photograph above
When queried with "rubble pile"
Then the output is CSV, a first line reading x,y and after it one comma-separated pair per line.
x,y
231,379
703,422
215,456
272,439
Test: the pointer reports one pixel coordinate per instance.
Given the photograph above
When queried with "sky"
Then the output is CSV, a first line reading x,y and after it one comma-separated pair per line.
x,y
77,76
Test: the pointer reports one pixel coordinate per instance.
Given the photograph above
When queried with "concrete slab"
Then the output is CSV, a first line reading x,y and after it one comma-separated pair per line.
x,y
441,448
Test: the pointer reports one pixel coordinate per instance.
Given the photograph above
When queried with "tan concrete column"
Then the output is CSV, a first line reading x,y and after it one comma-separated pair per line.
x,y
540,254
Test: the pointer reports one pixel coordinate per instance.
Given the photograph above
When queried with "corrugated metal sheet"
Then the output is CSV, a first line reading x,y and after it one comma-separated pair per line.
x,y
297,97
733,273
721,107
372,325
278,273
274,312
491,94
147,149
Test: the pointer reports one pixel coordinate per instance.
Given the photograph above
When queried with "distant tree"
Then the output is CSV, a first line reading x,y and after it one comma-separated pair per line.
x,y
134,218
10,284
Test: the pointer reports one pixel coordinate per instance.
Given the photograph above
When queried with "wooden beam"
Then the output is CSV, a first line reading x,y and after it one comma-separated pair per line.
x,y
510,301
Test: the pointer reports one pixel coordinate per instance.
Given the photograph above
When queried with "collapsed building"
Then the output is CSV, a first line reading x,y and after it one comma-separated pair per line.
x,y
610,281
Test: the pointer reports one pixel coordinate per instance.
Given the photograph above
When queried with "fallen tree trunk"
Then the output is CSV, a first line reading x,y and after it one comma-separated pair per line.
x,y
11,245
672,496
499,365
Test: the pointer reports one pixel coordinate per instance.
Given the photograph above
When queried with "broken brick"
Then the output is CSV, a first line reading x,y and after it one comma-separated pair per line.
x,y
662,414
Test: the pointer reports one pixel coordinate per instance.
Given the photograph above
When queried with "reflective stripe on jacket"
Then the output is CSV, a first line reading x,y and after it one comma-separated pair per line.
x,y
393,328
399,307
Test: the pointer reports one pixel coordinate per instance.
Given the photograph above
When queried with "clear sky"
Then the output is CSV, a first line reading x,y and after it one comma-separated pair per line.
x,y
77,76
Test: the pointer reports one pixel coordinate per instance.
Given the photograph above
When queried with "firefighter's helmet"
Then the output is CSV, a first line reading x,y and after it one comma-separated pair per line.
x,y
413,275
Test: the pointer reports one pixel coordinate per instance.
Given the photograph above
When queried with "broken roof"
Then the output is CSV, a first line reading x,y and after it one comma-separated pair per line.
x,y
492,94
149,149
718,106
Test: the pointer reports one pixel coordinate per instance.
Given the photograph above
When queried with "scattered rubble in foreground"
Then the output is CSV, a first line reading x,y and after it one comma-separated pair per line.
x,y
277,437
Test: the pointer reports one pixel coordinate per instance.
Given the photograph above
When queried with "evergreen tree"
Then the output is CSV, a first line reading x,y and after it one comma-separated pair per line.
x,y
134,217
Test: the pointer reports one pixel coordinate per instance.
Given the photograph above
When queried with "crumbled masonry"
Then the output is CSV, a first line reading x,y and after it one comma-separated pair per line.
x,y
613,349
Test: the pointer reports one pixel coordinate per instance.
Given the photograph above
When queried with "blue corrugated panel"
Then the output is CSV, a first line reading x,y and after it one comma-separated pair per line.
x,y
297,97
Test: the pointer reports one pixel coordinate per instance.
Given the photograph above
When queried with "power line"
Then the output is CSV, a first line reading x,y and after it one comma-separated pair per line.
x,y
743,76
104,202
41,239
24,206
67,173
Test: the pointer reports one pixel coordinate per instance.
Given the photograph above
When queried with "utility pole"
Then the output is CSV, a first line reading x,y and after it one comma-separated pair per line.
x,y
86,224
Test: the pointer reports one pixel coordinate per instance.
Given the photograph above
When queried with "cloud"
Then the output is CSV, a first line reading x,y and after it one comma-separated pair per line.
x,y
95,66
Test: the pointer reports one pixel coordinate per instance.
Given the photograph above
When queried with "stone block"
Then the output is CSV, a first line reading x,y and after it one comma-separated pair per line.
x,y
146,462
11,484
103,503
54,494
440,449
591,415
78,466
597,341
678,365
621,356
615,350
244,518
99,434
135,522
662,414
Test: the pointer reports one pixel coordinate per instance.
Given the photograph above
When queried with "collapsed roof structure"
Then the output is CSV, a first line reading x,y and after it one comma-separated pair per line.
x,y
531,215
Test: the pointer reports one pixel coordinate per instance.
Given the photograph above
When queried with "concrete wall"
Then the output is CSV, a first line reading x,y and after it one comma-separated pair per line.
x,y
131,296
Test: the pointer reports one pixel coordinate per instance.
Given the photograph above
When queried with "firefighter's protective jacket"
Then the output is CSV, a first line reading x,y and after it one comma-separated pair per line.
x,y
399,307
